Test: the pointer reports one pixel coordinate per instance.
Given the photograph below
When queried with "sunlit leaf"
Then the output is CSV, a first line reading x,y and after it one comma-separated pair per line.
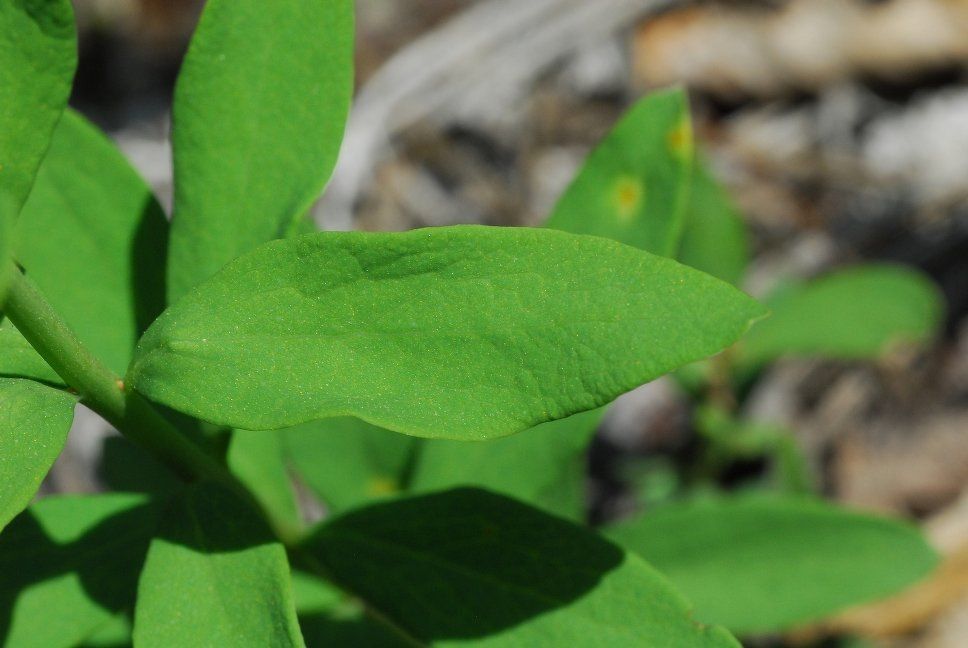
x,y
459,332
214,576
38,54
853,313
633,186
761,564
92,237
259,112
34,421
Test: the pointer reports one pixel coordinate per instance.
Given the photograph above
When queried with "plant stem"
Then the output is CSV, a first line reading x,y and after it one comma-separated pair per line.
x,y
102,390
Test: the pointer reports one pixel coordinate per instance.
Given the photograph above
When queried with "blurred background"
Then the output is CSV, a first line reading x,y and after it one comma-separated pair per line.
x,y
838,127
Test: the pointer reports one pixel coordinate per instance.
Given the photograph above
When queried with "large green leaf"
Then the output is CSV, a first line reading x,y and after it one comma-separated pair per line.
x,y
259,113
38,54
543,466
259,461
714,239
759,563
457,332
69,566
853,313
646,151
471,567
92,237
34,422
348,462
633,186
214,576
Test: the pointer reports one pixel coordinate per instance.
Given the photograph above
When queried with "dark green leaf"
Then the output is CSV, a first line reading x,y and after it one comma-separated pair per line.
x,y
543,466
457,332
214,576
328,618
34,422
760,564
92,237
347,462
633,187
259,112
470,567
714,239
128,468
38,54
69,565
853,313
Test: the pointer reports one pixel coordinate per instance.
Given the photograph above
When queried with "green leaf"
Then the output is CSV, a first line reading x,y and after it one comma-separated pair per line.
x,y
761,564
458,332
714,239
347,462
260,107
633,186
214,576
328,618
90,219
853,313
38,50
471,567
34,422
543,466
19,360
69,565
259,461
128,468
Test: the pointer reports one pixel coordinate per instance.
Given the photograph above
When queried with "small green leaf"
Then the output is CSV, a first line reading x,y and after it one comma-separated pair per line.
x,y
90,219
38,54
543,466
69,565
468,567
633,186
259,461
214,576
714,239
454,332
762,564
853,313
34,422
259,112
347,462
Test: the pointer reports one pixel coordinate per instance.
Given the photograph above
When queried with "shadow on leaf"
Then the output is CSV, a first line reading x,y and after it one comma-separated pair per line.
x,y
77,560
460,564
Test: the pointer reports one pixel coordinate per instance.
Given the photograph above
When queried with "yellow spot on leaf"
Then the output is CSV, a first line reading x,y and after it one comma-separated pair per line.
x,y
627,196
380,486
679,139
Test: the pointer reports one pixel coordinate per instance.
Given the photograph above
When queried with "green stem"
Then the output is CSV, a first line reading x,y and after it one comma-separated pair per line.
x,y
102,390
